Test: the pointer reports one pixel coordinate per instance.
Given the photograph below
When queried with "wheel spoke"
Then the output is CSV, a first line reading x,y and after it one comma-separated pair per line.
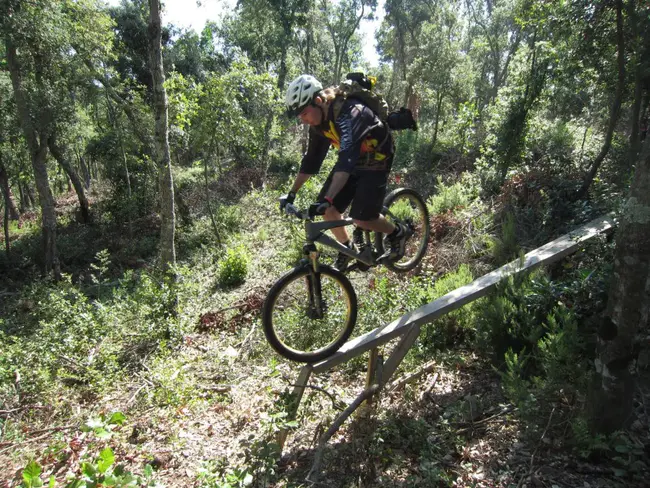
x,y
407,207
301,328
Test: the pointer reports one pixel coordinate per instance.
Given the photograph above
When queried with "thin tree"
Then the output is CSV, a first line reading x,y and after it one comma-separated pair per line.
x,y
616,104
59,153
161,145
37,143
6,193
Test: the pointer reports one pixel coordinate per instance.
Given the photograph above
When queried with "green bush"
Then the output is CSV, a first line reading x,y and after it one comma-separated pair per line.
x,y
505,247
452,328
511,318
535,330
64,335
233,267
452,197
552,143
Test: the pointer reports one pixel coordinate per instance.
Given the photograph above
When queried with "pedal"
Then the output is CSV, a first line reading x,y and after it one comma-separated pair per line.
x,y
383,257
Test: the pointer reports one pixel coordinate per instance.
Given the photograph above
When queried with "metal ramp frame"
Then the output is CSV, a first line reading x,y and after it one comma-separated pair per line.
x,y
407,327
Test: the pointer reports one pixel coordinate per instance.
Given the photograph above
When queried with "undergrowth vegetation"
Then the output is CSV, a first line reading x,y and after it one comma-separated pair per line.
x,y
116,329
77,339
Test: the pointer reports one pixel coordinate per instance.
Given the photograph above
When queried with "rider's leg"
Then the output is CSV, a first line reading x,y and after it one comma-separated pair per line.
x,y
341,202
369,200
379,224
366,211
339,232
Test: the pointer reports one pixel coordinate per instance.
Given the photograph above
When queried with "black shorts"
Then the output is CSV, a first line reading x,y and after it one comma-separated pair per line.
x,y
364,189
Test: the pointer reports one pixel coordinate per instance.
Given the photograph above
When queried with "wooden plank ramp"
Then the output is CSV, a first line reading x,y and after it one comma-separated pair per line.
x,y
547,254
408,326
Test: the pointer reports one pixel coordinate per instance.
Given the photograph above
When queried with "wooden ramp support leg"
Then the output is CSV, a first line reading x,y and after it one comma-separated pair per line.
x,y
399,353
373,376
381,373
296,397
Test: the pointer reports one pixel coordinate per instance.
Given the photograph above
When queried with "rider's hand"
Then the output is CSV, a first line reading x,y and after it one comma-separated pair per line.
x,y
285,199
319,208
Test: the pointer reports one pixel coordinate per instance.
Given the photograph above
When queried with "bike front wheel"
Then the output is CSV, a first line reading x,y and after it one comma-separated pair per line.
x,y
406,206
307,316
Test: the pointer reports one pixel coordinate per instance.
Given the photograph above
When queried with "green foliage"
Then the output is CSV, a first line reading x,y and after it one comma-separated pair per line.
x,y
100,471
32,476
452,197
389,299
95,471
455,327
534,328
229,219
511,318
232,113
460,133
142,179
513,380
505,247
103,425
233,267
553,369
555,144
59,338
408,150
216,474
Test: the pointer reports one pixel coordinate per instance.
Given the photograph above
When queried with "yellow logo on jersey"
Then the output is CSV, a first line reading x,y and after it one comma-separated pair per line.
x,y
367,146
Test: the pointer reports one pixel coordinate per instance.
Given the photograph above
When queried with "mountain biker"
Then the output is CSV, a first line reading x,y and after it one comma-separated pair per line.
x,y
365,156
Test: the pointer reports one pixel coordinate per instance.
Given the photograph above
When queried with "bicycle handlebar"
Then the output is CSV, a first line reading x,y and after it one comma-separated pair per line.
x,y
290,209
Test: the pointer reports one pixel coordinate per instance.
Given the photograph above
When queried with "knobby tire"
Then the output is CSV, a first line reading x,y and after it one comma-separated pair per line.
x,y
425,232
271,304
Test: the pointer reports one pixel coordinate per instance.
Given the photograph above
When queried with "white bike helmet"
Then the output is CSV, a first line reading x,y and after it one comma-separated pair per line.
x,y
301,92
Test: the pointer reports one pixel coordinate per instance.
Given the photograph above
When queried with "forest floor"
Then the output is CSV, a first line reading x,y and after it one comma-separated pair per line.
x,y
211,405
450,427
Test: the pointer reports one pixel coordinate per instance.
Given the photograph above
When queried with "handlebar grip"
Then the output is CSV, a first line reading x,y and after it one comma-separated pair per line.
x,y
290,209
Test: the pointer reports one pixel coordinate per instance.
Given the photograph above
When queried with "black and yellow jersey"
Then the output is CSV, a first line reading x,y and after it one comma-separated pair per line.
x,y
363,141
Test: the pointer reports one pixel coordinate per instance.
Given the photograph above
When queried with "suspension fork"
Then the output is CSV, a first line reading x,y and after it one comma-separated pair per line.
x,y
313,282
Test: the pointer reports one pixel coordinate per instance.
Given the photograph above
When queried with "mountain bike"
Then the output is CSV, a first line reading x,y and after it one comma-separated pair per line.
x,y
311,311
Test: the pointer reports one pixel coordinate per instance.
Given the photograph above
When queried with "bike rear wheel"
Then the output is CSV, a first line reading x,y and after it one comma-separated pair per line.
x,y
301,328
407,207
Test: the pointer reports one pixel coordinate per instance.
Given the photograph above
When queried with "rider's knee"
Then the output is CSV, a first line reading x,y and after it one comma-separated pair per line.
x,y
361,223
332,213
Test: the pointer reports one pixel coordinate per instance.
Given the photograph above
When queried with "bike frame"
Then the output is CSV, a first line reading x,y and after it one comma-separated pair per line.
x,y
315,233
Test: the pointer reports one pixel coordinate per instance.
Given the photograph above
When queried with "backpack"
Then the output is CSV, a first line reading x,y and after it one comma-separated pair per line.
x,y
359,86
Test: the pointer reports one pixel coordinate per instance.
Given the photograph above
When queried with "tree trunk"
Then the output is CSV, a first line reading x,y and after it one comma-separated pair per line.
x,y
6,229
37,143
162,157
616,106
30,195
23,198
640,55
85,170
59,155
118,129
27,200
213,219
435,126
625,324
12,212
83,167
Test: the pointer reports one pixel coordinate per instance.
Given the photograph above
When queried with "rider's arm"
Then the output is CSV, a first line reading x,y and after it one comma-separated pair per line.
x,y
300,180
312,159
315,155
339,179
